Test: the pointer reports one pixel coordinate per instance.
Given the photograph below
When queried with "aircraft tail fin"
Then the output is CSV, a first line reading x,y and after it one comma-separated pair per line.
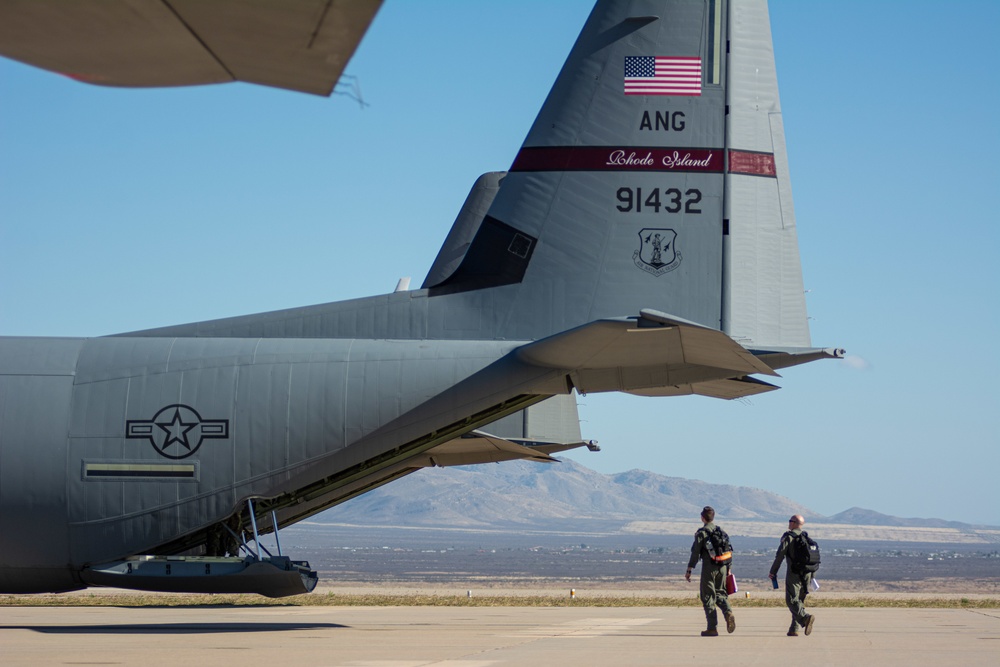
x,y
654,176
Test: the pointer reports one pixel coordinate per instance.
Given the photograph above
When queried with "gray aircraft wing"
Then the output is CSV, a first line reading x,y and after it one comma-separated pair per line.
x,y
301,45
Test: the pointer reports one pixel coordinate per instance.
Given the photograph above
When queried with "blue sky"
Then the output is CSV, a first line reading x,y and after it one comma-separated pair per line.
x,y
128,209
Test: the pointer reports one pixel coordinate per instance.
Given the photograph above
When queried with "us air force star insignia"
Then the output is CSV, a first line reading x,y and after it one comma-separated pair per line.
x,y
176,431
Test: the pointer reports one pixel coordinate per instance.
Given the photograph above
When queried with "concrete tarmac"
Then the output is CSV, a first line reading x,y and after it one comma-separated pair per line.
x,y
483,637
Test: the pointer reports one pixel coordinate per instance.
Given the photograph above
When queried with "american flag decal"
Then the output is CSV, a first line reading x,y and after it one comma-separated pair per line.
x,y
662,75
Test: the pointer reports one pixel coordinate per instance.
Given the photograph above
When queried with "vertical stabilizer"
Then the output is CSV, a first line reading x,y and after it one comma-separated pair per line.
x,y
636,189
619,182
653,178
765,299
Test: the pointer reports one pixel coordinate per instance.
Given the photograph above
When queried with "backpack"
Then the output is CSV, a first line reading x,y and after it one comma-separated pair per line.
x,y
803,553
719,547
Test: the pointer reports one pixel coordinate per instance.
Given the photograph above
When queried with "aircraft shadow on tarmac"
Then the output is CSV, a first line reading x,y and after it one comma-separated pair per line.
x,y
170,628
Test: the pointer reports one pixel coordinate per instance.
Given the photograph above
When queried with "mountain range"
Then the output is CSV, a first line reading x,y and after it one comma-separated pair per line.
x,y
519,494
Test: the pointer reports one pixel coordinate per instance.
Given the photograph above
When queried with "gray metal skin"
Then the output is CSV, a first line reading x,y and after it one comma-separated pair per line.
x,y
149,442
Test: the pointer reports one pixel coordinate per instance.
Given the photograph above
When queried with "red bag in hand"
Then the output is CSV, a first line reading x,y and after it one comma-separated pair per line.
x,y
731,586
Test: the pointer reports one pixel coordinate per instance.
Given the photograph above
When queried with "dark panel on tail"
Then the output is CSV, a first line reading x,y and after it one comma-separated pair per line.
x,y
498,255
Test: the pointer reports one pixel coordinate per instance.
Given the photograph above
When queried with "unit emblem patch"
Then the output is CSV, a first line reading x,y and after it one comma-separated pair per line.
x,y
176,431
657,253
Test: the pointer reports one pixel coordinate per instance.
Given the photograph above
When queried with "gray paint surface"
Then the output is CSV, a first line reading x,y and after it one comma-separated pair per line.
x,y
152,442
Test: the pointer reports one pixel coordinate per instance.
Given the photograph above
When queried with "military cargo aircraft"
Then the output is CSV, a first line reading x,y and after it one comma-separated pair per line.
x,y
643,240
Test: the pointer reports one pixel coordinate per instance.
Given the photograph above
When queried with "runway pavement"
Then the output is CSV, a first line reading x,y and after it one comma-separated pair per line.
x,y
482,637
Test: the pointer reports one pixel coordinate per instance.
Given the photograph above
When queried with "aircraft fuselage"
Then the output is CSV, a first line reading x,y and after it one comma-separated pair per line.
x,y
116,446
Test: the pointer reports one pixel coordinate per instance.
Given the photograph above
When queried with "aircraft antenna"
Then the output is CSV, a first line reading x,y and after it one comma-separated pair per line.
x,y
350,86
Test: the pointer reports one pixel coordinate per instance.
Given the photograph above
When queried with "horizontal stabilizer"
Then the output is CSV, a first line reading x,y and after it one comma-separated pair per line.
x,y
555,447
652,356
479,447
726,389
620,343
784,357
